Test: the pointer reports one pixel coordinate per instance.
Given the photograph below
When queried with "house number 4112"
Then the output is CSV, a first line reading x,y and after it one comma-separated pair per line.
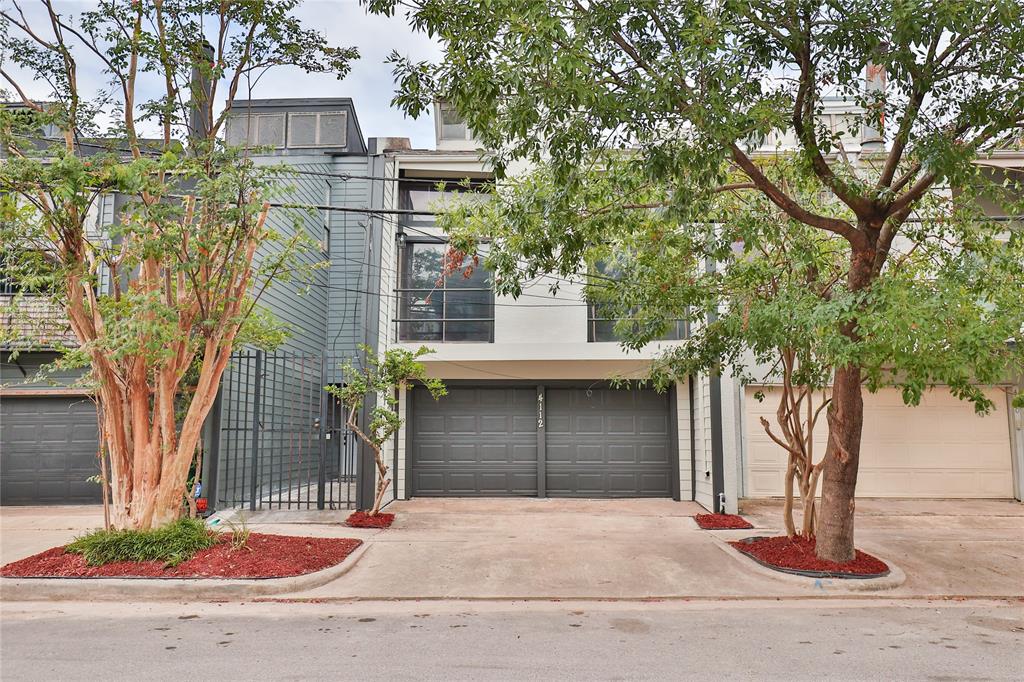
x,y
540,410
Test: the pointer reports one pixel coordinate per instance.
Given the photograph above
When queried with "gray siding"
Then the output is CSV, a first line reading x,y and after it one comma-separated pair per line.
x,y
300,304
351,267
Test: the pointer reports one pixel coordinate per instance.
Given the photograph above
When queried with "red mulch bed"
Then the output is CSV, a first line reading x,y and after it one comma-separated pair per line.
x,y
360,519
721,522
797,555
264,556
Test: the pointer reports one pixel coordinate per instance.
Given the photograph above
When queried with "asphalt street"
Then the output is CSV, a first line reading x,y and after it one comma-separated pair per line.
x,y
453,640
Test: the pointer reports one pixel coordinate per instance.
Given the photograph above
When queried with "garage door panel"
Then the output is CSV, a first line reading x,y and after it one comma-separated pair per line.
x,y
48,451
940,448
462,425
495,425
653,454
623,454
429,425
556,424
622,424
616,443
587,425
486,444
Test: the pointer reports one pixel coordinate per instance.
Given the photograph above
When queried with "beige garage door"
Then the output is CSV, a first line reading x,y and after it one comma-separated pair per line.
x,y
938,449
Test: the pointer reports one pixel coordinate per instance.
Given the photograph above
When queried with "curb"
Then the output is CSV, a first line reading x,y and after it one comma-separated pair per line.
x,y
164,589
894,579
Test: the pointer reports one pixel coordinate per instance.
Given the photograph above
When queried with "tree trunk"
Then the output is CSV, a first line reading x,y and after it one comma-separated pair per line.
x,y
845,424
787,505
839,474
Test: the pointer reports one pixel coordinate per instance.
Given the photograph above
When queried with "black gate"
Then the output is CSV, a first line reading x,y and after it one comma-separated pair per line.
x,y
283,442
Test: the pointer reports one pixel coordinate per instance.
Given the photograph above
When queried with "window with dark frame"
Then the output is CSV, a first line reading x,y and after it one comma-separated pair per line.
x,y
601,326
456,308
601,319
450,309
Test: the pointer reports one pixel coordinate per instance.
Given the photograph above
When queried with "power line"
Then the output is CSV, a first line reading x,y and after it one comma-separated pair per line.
x,y
433,182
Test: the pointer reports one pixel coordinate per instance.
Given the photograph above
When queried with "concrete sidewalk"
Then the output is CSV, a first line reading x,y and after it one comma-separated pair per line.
x,y
946,547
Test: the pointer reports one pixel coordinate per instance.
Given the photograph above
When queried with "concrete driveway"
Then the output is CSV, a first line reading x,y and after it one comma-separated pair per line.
x,y
609,549
583,549
25,531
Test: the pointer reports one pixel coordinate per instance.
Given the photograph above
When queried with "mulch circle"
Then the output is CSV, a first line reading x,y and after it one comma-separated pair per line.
x,y
264,556
722,522
360,519
796,555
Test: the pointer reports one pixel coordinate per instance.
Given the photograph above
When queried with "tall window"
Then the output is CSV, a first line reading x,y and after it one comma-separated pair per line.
x,y
457,308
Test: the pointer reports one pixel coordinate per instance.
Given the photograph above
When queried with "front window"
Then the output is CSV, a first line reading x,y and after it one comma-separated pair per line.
x,y
459,307
601,318
601,326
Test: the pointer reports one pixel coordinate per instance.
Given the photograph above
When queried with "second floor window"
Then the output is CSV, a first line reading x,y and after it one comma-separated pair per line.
x,y
601,317
601,326
455,308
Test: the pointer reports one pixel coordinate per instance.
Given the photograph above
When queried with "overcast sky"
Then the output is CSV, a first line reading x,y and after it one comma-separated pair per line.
x,y
345,23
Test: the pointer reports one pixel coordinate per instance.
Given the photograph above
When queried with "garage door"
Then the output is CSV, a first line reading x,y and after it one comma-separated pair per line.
x,y
482,441
475,441
607,443
938,449
48,451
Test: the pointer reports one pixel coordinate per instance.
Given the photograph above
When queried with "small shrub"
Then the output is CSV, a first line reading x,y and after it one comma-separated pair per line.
x,y
174,543
239,535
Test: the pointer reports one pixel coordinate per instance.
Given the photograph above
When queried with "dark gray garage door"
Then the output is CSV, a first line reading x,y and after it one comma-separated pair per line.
x,y
475,442
48,450
482,441
608,443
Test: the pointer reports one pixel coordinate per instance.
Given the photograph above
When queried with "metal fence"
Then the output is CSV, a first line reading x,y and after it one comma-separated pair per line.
x,y
283,441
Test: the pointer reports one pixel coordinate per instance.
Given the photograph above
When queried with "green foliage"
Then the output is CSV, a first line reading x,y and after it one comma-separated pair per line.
x,y
644,127
172,544
384,376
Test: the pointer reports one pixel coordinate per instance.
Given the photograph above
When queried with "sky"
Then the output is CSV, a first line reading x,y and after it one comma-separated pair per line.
x,y
345,23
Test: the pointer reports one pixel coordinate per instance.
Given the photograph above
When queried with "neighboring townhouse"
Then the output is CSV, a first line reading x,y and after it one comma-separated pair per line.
x,y
276,439
273,437
48,433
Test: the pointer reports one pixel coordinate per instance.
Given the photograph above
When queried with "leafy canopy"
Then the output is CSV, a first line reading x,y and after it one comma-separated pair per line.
x,y
652,133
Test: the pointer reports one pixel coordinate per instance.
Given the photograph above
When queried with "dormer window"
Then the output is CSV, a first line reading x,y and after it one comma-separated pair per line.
x,y
256,130
317,129
294,130
451,125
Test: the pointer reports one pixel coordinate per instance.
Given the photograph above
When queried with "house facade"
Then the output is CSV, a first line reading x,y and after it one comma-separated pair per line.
x,y
530,410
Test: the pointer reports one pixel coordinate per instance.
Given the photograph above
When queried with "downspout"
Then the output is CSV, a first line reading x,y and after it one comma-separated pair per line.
x,y
693,437
717,450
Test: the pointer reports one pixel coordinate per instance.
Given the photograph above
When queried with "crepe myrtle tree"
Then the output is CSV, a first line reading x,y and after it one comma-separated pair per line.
x,y
384,376
671,98
172,282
